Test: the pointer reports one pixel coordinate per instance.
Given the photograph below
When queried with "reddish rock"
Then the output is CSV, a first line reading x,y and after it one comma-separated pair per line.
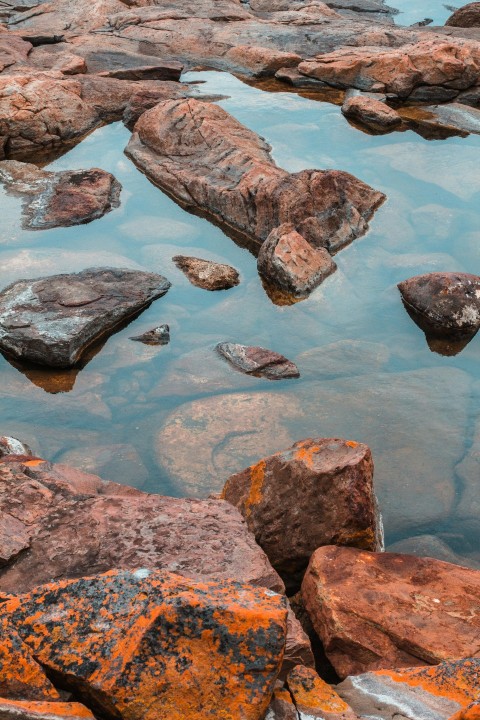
x,y
318,492
258,361
281,707
207,274
210,162
375,611
14,538
443,304
145,99
314,698
298,650
157,71
52,320
25,710
143,646
259,60
60,199
433,692
467,16
286,260
375,115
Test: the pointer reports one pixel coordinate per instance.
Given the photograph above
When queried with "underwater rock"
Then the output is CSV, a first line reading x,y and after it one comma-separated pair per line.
x,y
258,361
158,336
207,274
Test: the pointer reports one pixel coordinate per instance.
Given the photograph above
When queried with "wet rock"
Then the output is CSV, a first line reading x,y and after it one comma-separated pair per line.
x,y
318,492
222,651
375,115
117,461
314,698
375,611
210,162
158,336
120,527
24,710
60,199
287,261
453,116
467,510
281,707
343,358
207,274
433,692
12,446
258,361
427,93
52,320
443,304
467,16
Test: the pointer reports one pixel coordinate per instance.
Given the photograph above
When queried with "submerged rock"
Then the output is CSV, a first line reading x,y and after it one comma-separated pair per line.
x,y
467,16
158,336
319,492
207,274
50,321
374,114
60,199
383,610
258,361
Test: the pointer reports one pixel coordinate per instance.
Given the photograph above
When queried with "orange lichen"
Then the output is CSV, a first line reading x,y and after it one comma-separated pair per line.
x,y
311,694
255,495
44,710
351,443
304,452
472,712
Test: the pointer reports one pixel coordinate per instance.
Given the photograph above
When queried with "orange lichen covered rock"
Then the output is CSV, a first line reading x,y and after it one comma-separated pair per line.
x,y
314,698
472,712
282,706
413,693
374,611
144,646
24,710
318,492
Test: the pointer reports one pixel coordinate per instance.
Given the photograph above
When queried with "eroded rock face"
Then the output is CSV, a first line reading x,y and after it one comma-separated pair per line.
x,y
207,274
375,115
258,361
208,161
443,304
375,611
60,199
467,16
50,321
318,492
220,656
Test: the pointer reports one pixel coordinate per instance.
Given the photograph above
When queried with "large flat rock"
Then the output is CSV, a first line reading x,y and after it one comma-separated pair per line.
x,y
50,321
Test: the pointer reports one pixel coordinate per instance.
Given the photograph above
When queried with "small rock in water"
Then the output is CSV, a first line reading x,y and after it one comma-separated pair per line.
x,y
206,274
258,361
158,336
12,446
374,114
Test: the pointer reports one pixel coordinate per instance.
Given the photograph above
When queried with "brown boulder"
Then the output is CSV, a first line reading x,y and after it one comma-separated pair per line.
x,y
211,163
34,710
258,361
60,199
375,611
281,707
287,261
318,492
207,274
467,16
375,115
298,650
314,698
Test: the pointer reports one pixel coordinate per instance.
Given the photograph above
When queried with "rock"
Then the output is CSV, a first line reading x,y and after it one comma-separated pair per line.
x,y
286,260
119,461
260,61
104,638
281,707
452,64
443,304
211,163
293,77
119,527
432,692
376,611
343,358
318,492
47,58
472,712
60,199
13,50
298,650
207,274
12,446
375,115
467,509
24,710
258,361
52,320
145,99
429,546
313,698
157,71
158,336
466,17
456,117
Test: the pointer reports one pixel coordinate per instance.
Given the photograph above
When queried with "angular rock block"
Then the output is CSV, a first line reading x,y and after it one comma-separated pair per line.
x,y
282,706
24,710
258,361
314,698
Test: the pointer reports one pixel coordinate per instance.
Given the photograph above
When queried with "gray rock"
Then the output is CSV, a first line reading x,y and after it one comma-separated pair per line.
x,y
12,446
453,116
258,361
158,336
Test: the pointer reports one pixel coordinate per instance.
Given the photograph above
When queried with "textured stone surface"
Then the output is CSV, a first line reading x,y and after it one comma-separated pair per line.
x,y
158,336
314,698
282,707
258,361
374,114
318,492
298,650
206,274
375,611
467,16
450,118
208,161
60,199
52,320
105,638
34,710
471,712
12,446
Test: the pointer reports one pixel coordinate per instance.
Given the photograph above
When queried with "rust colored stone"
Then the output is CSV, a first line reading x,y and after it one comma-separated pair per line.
x,y
467,16
318,492
374,114
314,698
381,610
25,710
282,706
207,274
258,361
298,650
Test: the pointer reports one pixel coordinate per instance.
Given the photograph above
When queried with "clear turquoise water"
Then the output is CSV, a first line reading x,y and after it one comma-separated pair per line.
x,y
177,420
411,12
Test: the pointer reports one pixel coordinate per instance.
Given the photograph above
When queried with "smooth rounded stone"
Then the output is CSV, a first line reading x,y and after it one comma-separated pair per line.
x,y
443,304
51,321
314,698
385,610
433,693
466,16
12,446
207,274
120,462
37,710
158,336
281,706
318,492
374,114
210,162
258,361
430,546
286,260
343,358
60,199
223,649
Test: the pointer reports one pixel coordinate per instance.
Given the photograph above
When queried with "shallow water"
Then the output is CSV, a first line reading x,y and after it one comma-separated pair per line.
x,y
411,12
177,420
